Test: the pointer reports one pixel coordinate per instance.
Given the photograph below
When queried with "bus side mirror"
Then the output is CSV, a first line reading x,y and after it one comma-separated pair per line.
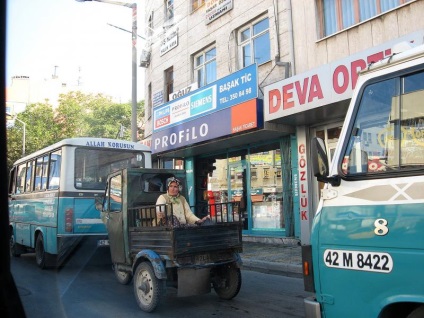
x,y
319,158
320,168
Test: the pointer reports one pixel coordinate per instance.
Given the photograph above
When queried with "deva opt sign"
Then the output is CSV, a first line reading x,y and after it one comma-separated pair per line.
x,y
324,85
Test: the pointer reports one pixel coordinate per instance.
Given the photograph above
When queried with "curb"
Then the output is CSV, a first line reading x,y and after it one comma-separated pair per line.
x,y
289,270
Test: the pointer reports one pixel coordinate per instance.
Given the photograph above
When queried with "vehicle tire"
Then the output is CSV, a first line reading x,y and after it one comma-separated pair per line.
x,y
43,259
14,247
417,313
123,278
148,289
227,283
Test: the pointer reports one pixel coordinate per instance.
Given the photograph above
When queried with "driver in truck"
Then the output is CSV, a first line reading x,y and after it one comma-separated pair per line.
x,y
182,213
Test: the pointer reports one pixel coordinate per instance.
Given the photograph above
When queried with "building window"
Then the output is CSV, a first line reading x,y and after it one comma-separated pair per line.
x,y
254,42
196,4
150,26
205,67
169,9
338,15
169,82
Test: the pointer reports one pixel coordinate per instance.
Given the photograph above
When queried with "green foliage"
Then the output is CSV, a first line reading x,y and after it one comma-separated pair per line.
x,y
77,115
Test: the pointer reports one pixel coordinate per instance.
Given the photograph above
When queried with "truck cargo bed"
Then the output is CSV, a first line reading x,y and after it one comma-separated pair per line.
x,y
175,243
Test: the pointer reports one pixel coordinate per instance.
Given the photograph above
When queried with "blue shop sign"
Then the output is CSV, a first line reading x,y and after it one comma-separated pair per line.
x,y
226,92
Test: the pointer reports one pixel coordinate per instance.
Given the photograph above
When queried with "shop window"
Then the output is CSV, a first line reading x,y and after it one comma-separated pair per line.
x,y
172,163
178,164
266,173
278,173
337,15
267,191
255,46
205,66
331,136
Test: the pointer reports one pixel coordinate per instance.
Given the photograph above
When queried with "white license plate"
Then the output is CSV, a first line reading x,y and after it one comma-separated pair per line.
x,y
102,242
358,260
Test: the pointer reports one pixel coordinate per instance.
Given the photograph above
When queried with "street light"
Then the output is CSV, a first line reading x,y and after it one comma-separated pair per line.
x,y
24,130
133,6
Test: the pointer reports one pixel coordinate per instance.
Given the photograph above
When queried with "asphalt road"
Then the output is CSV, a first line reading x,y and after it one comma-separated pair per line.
x,y
86,287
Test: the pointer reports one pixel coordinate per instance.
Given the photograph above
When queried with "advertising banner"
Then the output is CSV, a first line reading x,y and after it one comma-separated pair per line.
x,y
226,92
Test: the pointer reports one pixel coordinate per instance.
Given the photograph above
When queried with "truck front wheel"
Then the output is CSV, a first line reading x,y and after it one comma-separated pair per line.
x,y
148,289
227,281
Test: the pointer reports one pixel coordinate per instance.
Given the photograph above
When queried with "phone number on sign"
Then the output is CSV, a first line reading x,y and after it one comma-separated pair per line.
x,y
358,260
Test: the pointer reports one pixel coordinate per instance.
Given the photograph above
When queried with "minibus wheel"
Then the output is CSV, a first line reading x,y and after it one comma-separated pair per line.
x,y
43,259
40,254
14,247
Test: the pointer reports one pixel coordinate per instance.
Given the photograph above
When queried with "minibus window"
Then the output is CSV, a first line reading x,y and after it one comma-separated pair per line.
x,y
388,133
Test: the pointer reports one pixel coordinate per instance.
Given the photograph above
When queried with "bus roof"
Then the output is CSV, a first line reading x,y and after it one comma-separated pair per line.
x,y
92,142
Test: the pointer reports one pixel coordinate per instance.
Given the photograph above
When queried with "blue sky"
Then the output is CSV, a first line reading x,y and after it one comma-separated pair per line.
x,y
75,37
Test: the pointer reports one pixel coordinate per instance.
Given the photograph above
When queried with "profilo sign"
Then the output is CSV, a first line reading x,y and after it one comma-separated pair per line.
x,y
240,118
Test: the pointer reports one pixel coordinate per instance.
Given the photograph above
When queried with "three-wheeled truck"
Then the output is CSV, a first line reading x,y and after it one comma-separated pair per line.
x,y
191,258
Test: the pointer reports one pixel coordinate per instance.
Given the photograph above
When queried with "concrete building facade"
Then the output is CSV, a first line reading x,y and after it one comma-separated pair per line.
x,y
235,89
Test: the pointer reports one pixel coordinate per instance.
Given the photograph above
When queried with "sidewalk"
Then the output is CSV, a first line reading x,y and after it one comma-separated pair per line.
x,y
279,258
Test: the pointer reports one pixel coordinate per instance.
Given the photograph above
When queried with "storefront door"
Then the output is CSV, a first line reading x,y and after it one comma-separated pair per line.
x,y
237,189
266,189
